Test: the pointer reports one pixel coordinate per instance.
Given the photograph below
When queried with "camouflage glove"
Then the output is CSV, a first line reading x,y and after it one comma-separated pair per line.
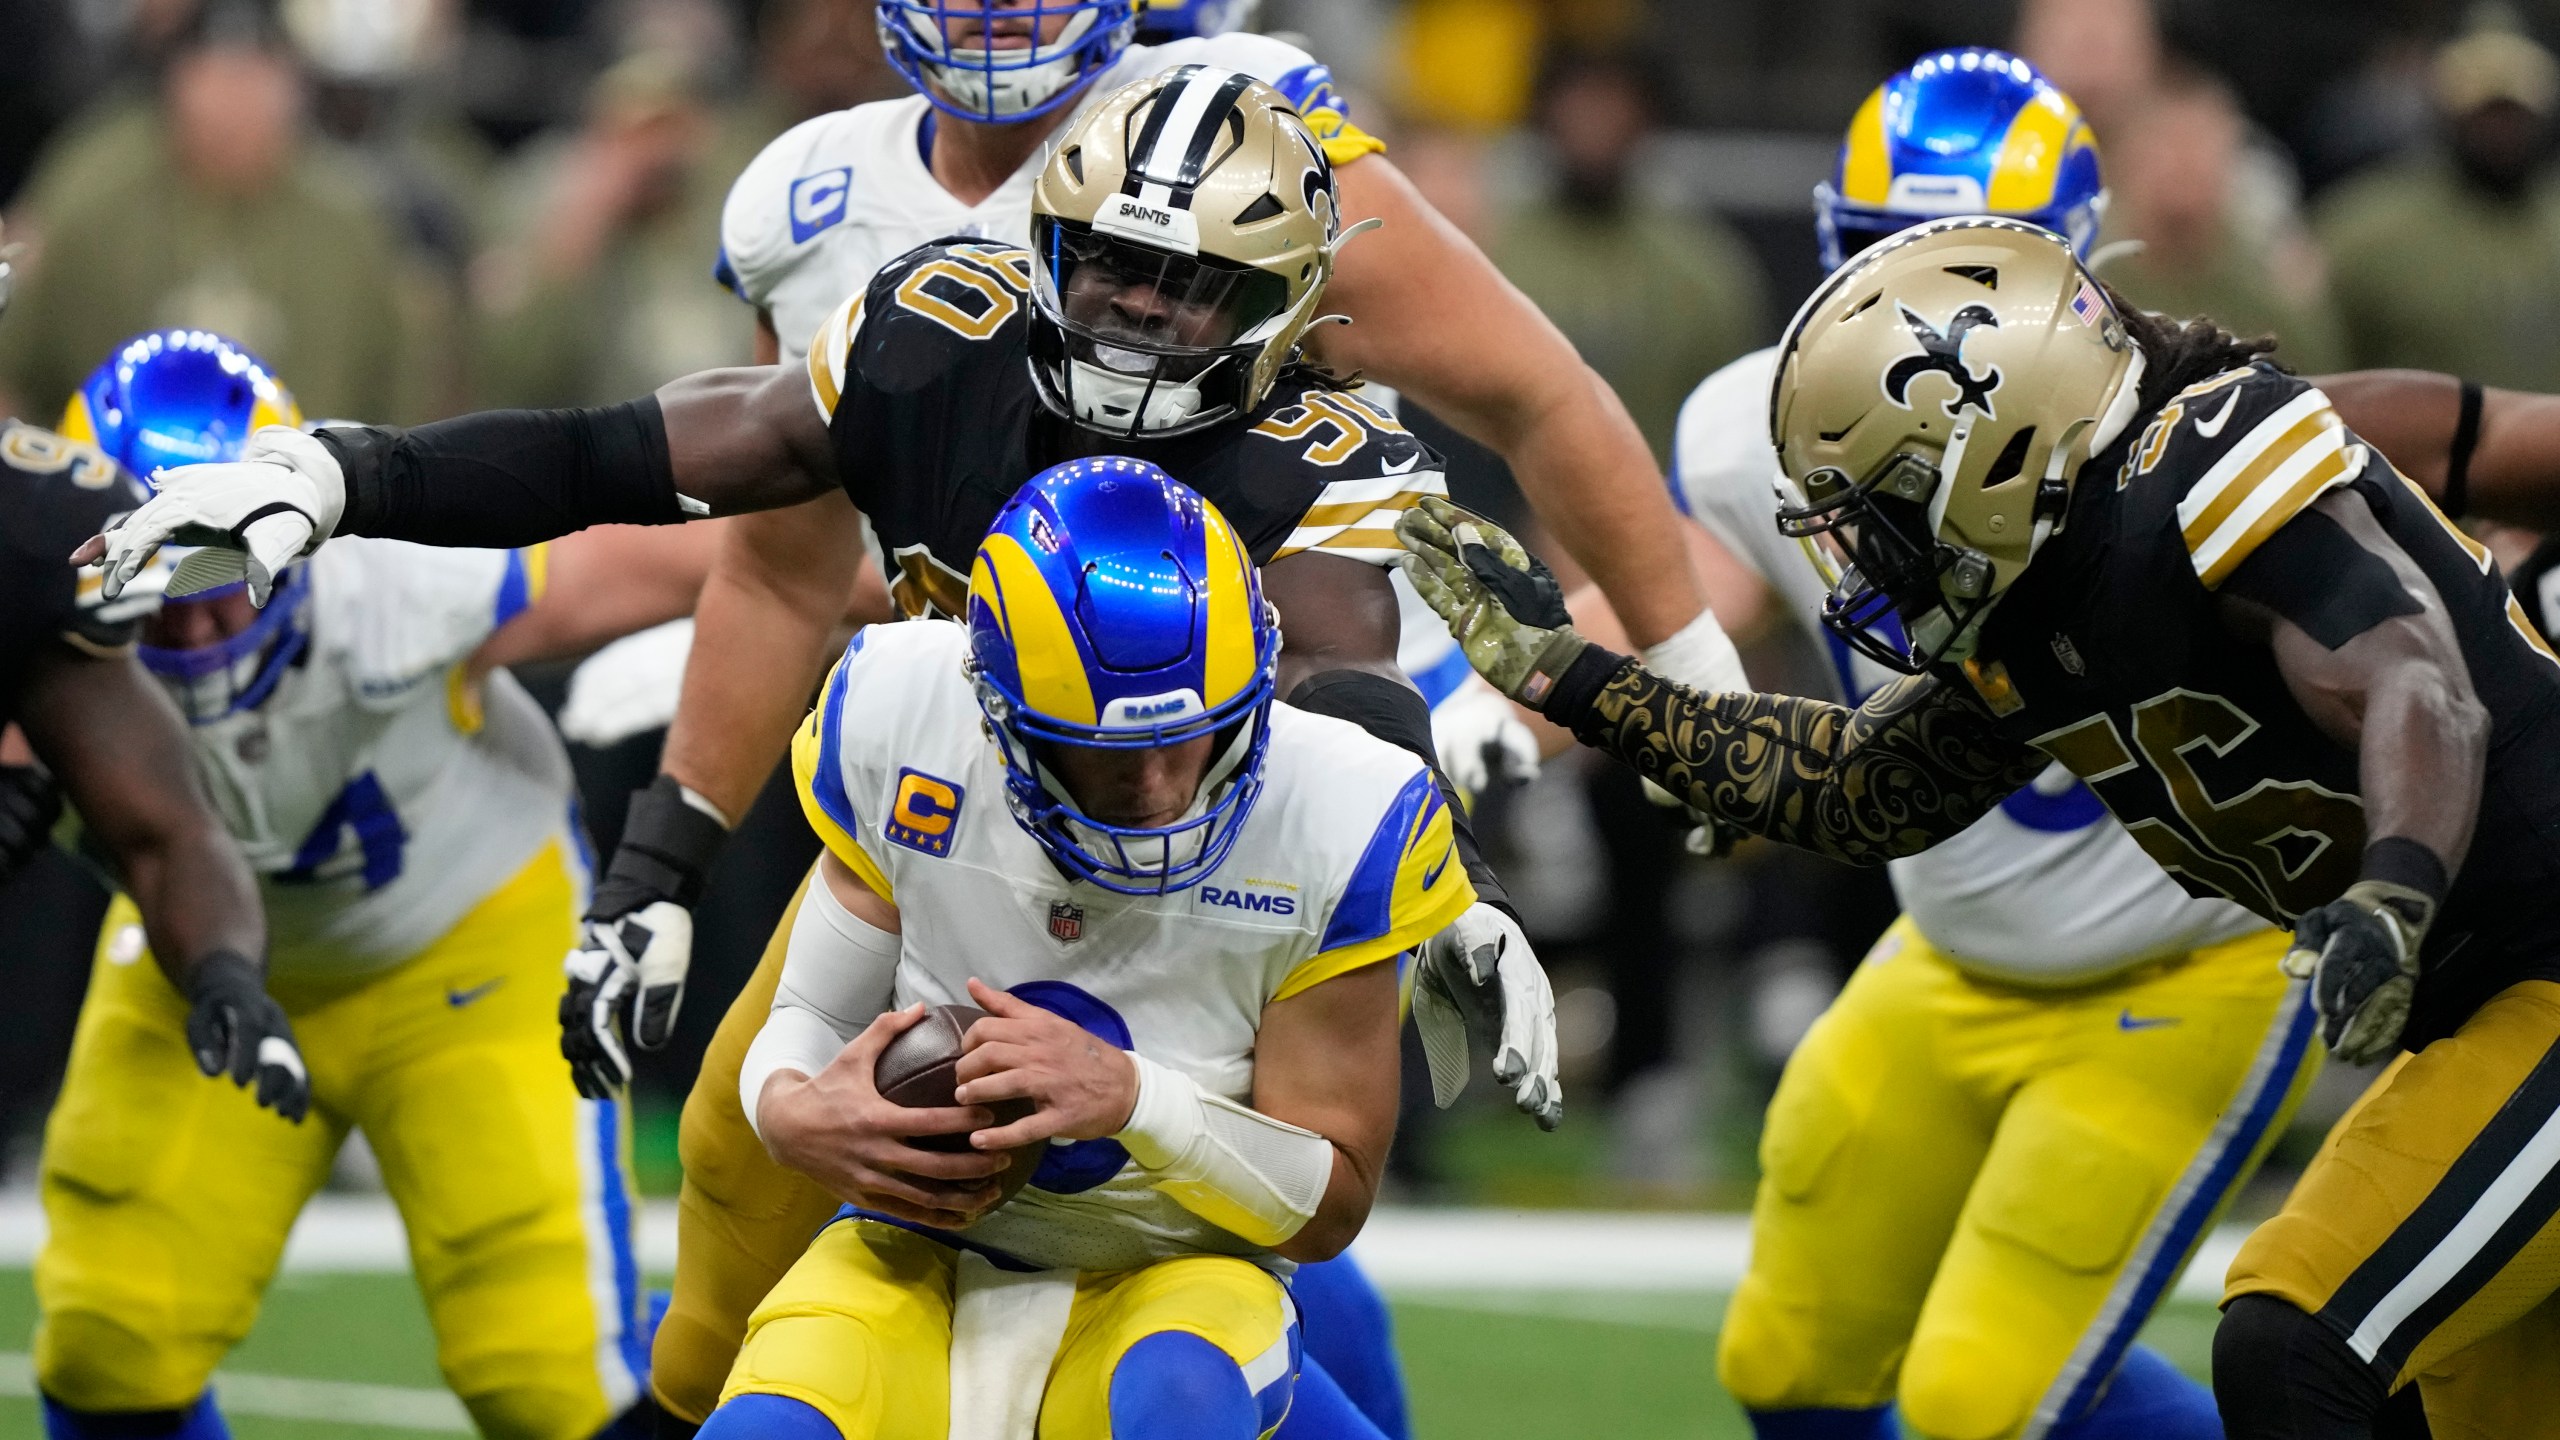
x,y
2360,953
1503,605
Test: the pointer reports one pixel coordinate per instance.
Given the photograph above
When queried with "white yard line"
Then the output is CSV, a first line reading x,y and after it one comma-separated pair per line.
x,y
1423,1253
287,1397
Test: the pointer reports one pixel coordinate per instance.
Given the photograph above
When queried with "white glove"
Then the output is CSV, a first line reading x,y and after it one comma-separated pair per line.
x,y
1482,744
253,515
626,982
1482,966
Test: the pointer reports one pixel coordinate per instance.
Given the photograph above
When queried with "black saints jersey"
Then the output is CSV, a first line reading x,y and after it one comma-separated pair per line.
x,y
55,493
2113,654
925,381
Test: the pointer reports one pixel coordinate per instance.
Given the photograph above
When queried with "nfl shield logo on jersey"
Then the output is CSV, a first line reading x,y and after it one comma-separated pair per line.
x,y
1066,922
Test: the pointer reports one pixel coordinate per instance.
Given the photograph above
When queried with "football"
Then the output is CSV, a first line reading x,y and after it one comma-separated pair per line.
x,y
916,1071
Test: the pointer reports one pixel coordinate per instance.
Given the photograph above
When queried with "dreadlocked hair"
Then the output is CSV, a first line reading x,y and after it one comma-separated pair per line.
x,y
2178,354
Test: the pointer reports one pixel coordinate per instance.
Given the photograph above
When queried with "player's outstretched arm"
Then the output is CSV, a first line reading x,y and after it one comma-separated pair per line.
x,y
120,751
1339,625
1435,319
1914,764
721,442
2492,453
2366,646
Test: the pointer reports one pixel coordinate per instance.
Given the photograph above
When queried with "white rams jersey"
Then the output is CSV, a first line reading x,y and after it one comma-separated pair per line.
x,y
832,200
2046,890
375,797
1346,859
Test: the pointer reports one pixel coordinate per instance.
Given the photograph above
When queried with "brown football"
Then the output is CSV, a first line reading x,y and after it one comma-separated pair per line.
x,y
915,1071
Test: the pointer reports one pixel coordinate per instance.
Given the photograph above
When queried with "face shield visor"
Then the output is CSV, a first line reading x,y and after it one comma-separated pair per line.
x,y
1899,595
1134,341
1134,859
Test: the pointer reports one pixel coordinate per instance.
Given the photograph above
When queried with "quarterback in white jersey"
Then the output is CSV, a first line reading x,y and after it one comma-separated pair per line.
x,y
409,815
2052,1019
1084,812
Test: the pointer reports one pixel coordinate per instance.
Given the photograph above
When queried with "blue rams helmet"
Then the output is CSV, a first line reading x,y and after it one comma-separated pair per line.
x,y
1161,21
940,47
186,397
1962,132
1111,607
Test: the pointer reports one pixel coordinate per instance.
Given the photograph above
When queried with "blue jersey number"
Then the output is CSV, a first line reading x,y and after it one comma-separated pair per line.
x,y
1077,1165
364,809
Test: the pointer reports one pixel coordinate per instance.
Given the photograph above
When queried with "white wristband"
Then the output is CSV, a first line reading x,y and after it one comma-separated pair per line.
x,y
1700,656
792,1039
1257,1178
839,973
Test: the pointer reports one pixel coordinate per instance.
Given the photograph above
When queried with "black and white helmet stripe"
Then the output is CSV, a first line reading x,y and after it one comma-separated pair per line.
x,y
1174,147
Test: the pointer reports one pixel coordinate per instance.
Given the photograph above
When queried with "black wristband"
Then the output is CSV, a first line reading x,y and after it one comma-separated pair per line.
x,y
225,972
508,477
2399,860
2457,460
1398,715
1569,700
668,846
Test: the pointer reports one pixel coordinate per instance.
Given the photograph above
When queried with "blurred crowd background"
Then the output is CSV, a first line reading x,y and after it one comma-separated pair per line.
x,y
413,207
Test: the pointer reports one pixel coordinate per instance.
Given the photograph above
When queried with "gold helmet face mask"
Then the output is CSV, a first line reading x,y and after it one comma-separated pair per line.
x,y
1182,233
1934,399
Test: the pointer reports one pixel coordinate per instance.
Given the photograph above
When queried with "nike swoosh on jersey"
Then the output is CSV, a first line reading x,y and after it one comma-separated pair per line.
x,y
2127,1020
1398,467
2210,428
459,998
1431,877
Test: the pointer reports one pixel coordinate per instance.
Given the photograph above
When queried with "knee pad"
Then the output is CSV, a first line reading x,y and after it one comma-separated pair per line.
x,y
1321,1410
1875,1423
2279,1374
1968,1387
768,1417
200,1421
1347,1332
1174,1385
2147,1400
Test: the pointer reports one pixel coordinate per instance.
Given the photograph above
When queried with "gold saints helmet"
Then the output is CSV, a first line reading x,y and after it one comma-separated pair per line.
x,y
1934,399
1182,233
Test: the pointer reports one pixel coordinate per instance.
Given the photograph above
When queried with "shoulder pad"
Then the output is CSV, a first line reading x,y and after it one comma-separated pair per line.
x,y
921,314
796,189
394,614
2246,451
1364,466
59,492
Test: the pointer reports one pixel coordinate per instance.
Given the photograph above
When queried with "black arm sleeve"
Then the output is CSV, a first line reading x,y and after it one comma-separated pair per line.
x,y
509,477
1396,714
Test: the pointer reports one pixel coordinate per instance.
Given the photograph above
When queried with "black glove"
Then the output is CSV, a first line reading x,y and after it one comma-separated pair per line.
x,y
2360,953
29,804
236,1028
626,978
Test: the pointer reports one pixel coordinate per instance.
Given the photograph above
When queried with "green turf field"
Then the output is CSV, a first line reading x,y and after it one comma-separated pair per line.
x,y
1522,1366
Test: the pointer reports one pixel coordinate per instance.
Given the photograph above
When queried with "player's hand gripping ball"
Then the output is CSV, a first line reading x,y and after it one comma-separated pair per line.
x,y
917,1071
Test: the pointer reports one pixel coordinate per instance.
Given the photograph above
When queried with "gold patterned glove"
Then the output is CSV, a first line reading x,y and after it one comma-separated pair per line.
x,y
1503,605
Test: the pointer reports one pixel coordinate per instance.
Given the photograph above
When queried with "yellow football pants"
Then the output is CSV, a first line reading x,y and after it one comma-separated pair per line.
x,y
741,1219
2417,1232
860,1330
169,1195
1973,1195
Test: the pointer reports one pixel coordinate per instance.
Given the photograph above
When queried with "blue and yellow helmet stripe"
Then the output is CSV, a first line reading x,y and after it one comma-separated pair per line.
x,y
1962,132
1112,607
